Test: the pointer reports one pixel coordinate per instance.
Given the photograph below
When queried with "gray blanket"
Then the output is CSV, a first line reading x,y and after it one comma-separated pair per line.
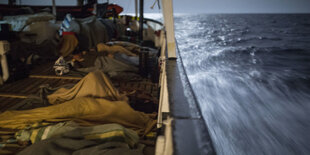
x,y
114,68
90,32
87,140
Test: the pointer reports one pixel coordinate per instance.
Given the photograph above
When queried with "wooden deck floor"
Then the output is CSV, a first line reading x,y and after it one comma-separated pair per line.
x,y
15,92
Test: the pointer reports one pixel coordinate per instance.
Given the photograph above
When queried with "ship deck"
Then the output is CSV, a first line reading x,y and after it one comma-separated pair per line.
x,y
15,92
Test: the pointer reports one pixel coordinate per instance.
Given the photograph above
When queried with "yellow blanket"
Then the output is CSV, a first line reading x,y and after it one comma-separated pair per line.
x,y
69,43
85,111
101,47
95,84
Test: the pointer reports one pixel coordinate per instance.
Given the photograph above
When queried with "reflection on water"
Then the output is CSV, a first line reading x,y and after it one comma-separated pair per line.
x,y
251,75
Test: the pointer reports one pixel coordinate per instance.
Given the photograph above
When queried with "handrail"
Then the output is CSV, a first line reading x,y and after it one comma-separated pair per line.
x,y
155,21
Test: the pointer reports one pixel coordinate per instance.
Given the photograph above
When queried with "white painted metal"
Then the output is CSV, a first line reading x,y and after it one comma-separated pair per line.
x,y
163,98
165,102
4,48
160,144
168,140
54,7
169,25
136,8
163,42
164,144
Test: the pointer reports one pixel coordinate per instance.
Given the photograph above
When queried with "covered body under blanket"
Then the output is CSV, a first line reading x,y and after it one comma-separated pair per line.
x,y
92,101
94,84
102,103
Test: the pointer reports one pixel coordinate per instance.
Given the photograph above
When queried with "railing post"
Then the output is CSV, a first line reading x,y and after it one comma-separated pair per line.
x,y
141,20
136,9
54,8
169,26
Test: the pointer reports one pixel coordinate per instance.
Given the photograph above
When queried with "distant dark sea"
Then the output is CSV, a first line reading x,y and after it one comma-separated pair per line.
x,y
251,76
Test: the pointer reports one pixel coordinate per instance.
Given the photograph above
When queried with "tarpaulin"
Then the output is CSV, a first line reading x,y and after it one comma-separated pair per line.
x,y
95,84
85,111
101,47
103,133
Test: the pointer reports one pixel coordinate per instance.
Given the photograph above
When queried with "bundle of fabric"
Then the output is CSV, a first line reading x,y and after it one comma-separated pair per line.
x,y
9,145
70,138
102,133
112,60
134,48
85,111
84,34
95,84
21,21
90,30
95,31
114,68
71,143
68,43
38,32
130,60
112,49
92,101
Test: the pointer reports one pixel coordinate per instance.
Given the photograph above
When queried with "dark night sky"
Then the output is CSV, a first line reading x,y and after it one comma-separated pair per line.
x,y
207,6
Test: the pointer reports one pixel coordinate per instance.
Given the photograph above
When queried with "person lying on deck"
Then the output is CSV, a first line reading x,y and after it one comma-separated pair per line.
x,y
113,49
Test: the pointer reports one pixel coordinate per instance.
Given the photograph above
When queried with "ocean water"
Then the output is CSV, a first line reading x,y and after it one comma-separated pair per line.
x,y
251,76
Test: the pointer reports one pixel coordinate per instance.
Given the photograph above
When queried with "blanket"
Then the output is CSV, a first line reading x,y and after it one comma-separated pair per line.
x,y
68,44
85,111
112,49
102,139
103,133
95,84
